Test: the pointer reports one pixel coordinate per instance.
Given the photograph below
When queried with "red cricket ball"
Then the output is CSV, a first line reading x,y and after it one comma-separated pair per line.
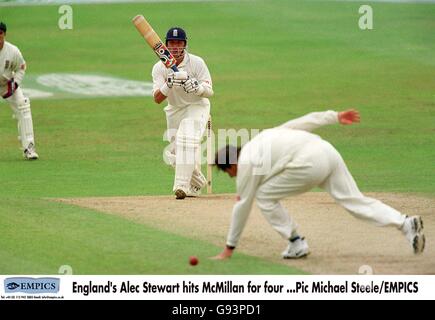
x,y
193,260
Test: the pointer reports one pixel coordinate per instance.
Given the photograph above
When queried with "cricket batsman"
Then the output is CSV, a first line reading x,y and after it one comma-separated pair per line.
x,y
12,69
289,160
187,112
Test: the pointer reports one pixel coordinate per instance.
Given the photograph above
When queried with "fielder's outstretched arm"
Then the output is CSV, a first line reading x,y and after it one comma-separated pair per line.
x,y
316,120
247,184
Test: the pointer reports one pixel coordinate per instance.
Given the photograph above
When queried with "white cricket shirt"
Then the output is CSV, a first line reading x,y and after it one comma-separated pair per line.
x,y
12,64
195,68
266,155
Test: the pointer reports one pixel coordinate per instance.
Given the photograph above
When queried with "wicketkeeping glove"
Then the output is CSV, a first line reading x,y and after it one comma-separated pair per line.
x,y
193,86
12,87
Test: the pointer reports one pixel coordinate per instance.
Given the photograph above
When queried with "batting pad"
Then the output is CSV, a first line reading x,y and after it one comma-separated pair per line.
x,y
187,156
25,125
21,107
198,179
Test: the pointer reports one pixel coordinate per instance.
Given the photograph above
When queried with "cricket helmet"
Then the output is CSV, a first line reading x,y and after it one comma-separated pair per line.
x,y
176,33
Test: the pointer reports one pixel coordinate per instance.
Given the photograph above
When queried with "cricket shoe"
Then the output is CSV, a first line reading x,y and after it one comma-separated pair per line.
x,y
193,192
30,153
413,230
297,248
180,193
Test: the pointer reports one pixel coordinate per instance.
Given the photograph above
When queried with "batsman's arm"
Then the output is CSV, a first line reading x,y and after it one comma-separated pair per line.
x,y
159,84
204,78
159,97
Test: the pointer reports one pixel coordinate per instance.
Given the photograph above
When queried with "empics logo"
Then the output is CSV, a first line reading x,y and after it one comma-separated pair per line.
x,y
32,285
12,285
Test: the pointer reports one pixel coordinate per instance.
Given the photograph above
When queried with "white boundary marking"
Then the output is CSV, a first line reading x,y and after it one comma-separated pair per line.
x,y
71,85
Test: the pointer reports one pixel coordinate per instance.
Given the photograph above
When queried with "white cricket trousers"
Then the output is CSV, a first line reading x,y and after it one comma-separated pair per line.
x,y
175,115
319,164
200,114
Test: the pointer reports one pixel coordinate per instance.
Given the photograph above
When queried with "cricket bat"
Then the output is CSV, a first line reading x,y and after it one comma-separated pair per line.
x,y
154,41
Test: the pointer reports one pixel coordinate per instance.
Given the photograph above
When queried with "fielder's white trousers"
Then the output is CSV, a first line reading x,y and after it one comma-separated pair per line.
x,y
319,164
174,116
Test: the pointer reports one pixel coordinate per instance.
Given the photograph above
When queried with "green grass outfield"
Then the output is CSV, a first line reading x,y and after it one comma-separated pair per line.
x,y
270,61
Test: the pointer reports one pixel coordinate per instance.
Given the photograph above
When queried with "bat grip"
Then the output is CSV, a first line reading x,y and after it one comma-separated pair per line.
x,y
174,67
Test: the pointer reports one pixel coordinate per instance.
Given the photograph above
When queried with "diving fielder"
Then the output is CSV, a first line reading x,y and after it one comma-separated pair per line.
x,y
12,69
289,160
187,112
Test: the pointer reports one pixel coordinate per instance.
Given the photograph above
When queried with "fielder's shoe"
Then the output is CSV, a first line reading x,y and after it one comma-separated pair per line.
x,y
193,191
180,193
297,248
413,230
30,153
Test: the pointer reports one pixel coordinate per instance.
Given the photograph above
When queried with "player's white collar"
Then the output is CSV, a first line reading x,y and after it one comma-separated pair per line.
x,y
185,60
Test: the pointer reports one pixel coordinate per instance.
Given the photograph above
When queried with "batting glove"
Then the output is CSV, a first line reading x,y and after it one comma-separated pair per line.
x,y
193,86
177,78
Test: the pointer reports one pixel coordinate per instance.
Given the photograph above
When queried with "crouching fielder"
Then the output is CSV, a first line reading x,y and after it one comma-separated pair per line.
x,y
288,160
12,69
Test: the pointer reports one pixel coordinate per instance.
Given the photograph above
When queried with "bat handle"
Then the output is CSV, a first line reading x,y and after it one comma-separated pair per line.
x,y
174,67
